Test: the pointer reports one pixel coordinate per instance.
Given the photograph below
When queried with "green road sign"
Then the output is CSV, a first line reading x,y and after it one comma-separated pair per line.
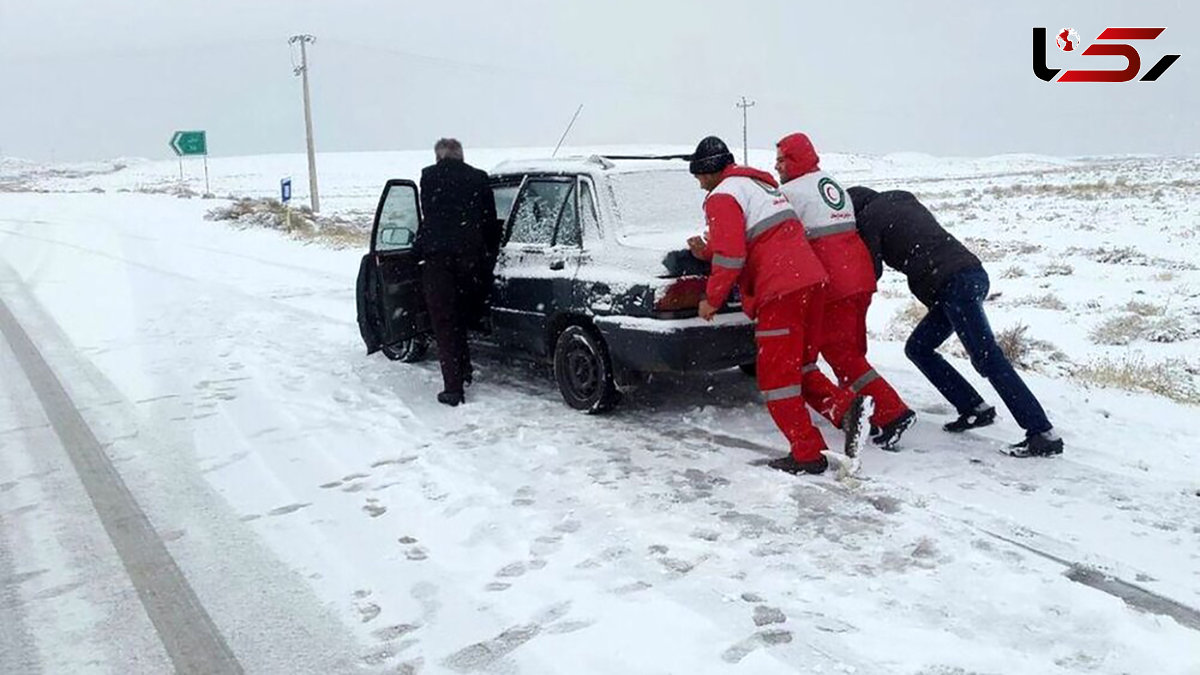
x,y
189,143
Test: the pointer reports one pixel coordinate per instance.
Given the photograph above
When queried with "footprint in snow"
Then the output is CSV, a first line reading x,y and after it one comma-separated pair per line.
x,y
524,497
512,570
368,612
766,638
284,510
389,633
545,545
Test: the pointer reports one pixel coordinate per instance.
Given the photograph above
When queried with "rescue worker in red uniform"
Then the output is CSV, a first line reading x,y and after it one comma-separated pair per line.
x,y
757,242
829,223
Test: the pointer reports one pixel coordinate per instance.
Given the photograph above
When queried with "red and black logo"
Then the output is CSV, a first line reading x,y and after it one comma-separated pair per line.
x,y
1068,41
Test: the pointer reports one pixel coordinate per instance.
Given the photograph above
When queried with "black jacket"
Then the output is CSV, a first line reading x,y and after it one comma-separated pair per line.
x,y
459,212
901,232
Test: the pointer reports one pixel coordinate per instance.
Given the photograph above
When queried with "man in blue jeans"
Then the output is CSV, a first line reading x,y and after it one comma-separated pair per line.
x,y
949,280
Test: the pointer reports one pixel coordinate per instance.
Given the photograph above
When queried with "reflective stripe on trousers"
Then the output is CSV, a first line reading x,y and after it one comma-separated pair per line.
x,y
865,379
782,394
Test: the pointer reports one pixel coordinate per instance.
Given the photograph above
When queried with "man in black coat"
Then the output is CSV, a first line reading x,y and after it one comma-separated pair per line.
x,y
458,243
949,280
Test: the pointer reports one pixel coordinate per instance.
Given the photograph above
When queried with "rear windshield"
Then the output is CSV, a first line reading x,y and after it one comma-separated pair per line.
x,y
656,206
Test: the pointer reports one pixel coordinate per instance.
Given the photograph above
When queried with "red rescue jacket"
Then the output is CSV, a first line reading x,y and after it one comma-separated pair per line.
x,y
829,222
756,241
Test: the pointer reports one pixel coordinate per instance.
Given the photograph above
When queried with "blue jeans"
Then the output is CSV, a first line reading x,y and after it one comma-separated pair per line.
x,y
959,309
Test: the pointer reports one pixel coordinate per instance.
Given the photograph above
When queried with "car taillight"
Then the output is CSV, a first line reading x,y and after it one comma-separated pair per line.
x,y
685,293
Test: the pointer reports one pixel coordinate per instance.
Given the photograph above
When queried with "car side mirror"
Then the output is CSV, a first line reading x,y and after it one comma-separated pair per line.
x,y
406,237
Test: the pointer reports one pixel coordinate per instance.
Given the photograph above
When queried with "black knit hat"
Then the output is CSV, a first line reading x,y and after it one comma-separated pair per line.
x,y
711,156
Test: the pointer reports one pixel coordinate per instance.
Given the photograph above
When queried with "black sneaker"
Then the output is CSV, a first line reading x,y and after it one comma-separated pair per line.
x,y
972,420
856,424
1037,445
889,435
789,464
450,398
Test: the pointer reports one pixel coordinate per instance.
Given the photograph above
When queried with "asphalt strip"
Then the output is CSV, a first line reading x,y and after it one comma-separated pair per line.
x,y
188,634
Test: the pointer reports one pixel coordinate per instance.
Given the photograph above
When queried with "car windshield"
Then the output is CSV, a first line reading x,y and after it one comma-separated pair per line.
x,y
656,209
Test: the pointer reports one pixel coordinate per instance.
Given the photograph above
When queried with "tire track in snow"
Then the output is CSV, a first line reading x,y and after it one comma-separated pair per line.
x,y
188,633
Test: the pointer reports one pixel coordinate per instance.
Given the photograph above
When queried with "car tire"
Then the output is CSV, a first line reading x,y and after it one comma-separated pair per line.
x,y
407,351
584,371
750,369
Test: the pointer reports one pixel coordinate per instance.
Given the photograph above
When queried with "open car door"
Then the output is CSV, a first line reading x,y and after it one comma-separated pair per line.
x,y
391,301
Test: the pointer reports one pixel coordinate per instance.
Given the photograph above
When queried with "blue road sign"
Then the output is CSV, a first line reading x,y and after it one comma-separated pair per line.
x,y
285,190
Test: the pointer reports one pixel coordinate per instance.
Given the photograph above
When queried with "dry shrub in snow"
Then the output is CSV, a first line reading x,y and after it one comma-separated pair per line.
x,y
1144,308
1058,269
1013,272
991,251
1119,330
331,231
1025,351
1129,327
905,320
1047,301
1174,378
1128,255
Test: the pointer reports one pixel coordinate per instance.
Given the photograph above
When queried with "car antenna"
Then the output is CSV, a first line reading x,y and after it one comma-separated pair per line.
x,y
568,130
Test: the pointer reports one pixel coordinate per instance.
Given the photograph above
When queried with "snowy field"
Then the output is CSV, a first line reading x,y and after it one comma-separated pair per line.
x,y
333,518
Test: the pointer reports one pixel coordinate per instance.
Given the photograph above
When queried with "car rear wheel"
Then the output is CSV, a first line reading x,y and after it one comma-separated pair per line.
x,y
407,351
584,371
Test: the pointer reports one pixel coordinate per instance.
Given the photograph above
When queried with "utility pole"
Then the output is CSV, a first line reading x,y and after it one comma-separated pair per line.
x,y
745,105
302,71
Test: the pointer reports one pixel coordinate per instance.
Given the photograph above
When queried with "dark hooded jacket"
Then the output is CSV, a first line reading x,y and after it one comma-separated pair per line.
x,y
900,231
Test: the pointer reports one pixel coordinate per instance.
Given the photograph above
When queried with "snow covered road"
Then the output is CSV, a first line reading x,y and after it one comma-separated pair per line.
x,y
330,517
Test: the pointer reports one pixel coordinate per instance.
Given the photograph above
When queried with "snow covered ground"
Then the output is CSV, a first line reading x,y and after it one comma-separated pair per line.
x,y
331,517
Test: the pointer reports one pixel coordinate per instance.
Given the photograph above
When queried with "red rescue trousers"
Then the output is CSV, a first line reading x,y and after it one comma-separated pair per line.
x,y
784,334
843,344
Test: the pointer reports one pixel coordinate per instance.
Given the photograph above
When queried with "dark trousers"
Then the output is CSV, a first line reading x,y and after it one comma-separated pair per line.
x,y
451,290
959,309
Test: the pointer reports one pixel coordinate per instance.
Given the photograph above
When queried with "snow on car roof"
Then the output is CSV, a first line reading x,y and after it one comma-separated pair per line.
x,y
588,164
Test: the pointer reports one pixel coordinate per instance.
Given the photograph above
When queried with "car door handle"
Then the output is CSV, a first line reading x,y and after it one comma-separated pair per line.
x,y
558,264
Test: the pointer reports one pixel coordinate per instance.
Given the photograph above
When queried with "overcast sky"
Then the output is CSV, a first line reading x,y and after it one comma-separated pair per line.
x,y
89,79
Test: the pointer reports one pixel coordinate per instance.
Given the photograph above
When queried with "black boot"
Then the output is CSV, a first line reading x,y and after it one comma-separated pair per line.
x,y
972,420
889,435
856,424
1045,444
451,398
790,465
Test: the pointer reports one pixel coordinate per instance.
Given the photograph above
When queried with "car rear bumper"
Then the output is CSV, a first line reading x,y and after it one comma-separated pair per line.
x,y
678,345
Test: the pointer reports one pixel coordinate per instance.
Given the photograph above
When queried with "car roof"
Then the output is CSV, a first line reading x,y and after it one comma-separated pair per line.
x,y
591,165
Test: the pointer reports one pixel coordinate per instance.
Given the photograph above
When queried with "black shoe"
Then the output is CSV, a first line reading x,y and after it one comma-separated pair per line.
x,y
889,435
789,464
972,420
856,424
451,398
1037,445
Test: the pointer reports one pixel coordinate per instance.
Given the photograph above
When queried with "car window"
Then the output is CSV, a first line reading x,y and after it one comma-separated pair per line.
x,y
504,196
588,219
568,224
398,219
537,211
